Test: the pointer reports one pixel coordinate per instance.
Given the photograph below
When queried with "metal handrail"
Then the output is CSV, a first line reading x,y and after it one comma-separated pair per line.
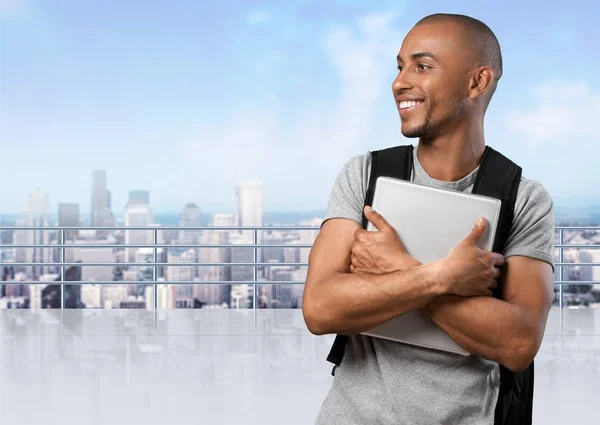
x,y
152,282
56,264
102,245
155,264
240,228
163,264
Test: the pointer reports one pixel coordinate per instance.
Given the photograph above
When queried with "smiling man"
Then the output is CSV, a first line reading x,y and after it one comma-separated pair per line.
x,y
449,67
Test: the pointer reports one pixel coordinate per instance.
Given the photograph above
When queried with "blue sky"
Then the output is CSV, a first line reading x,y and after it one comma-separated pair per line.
x,y
188,98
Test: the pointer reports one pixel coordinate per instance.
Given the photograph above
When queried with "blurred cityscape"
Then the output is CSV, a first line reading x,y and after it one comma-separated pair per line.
x,y
181,286
136,246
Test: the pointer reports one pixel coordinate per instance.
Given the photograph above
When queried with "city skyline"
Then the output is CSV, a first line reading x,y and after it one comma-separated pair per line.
x,y
189,111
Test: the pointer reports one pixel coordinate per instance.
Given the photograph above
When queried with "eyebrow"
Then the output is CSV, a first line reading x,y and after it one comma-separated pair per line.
x,y
419,55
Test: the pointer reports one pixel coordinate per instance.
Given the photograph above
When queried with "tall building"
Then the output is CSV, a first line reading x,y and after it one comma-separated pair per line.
x,y
250,211
137,215
20,254
281,294
586,272
99,194
241,273
190,216
139,197
184,293
250,204
68,216
36,214
215,294
101,212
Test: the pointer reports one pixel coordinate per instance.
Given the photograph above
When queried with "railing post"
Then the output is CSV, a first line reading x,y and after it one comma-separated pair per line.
x,y
561,259
62,270
255,276
154,274
561,278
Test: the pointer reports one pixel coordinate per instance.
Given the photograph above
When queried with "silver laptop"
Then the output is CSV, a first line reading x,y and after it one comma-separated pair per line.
x,y
430,222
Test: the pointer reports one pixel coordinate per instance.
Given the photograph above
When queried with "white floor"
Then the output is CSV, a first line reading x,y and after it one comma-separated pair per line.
x,y
224,367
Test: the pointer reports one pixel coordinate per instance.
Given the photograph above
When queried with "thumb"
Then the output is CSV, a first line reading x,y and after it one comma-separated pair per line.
x,y
376,218
477,232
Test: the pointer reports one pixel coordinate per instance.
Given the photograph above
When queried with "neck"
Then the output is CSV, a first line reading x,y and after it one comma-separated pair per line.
x,y
454,155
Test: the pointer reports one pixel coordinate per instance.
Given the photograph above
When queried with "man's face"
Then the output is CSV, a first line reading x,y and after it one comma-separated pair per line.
x,y
431,89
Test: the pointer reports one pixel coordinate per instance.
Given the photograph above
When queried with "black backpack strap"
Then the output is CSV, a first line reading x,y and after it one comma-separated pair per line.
x,y
499,177
396,162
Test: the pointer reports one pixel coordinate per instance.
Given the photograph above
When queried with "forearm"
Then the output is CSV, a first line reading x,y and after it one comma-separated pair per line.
x,y
351,303
487,327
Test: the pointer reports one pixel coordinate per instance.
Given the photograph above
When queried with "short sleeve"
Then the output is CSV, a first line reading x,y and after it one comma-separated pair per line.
x,y
348,193
532,231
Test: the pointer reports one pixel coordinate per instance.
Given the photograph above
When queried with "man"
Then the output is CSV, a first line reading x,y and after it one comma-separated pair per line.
x,y
449,67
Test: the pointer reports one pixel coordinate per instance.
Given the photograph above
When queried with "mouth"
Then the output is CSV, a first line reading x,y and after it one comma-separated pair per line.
x,y
405,106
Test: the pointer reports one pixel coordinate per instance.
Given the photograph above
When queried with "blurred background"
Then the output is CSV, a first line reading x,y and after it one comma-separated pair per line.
x,y
215,130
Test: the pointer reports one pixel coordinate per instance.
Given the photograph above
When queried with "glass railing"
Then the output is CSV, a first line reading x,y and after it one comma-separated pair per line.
x,y
156,267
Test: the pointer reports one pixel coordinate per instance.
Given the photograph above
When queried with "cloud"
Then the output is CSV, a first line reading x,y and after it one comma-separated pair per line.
x,y
298,163
362,60
565,113
258,17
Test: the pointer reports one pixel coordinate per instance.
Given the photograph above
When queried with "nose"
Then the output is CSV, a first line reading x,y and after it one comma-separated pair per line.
x,y
401,82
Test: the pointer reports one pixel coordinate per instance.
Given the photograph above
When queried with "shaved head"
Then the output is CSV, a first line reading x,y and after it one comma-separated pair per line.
x,y
448,70
478,38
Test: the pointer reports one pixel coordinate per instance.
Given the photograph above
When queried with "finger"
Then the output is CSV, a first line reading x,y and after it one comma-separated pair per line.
x,y
477,232
358,233
351,268
377,219
497,272
354,248
498,259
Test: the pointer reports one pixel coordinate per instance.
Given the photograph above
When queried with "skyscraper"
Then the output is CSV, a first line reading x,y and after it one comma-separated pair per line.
x,y
190,216
139,197
101,214
215,294
99,194
68,216
250,203
250,211
137,215
37,215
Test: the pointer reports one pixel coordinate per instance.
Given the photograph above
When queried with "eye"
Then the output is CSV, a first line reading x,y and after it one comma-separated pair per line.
x,y
399,68
423,67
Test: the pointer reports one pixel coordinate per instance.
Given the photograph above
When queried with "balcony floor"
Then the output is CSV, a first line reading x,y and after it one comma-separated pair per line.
x,y
131,367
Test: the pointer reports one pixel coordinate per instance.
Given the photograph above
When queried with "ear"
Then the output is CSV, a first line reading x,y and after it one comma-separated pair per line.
x,y
481,81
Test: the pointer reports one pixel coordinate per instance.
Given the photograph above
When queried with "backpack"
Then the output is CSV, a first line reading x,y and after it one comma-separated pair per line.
x,y
497,177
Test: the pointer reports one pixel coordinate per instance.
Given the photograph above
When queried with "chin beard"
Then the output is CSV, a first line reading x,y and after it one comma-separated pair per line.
x,y
413,132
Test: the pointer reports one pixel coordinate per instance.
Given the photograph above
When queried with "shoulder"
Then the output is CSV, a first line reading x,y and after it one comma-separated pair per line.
x,y
348,192
533,227
355,171
532,194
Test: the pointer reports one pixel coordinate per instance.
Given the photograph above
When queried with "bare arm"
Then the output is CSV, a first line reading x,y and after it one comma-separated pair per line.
x,y
337,301
508,331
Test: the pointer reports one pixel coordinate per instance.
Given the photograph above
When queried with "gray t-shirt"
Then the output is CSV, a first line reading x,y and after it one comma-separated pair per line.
x,y
385,382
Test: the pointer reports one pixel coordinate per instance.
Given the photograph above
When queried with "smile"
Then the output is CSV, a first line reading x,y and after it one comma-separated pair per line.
x,y
406,106
409,104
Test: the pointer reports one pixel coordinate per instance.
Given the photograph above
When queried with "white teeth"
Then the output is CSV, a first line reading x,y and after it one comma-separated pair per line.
x,y
409,103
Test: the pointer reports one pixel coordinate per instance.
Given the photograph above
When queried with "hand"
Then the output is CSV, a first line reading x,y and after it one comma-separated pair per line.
x,y
470,270
379,252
